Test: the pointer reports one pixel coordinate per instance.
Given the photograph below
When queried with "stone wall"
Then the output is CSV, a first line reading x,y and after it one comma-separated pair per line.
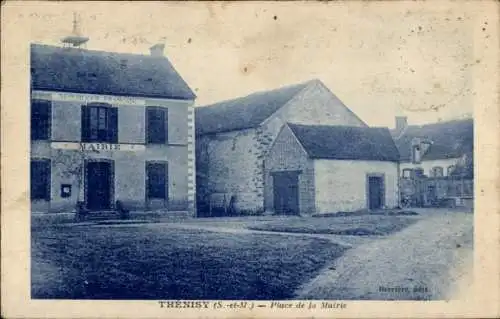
x,y
228,165
231,164
287,154
317,105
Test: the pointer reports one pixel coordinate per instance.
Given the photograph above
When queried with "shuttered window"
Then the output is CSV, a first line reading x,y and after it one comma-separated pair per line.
x,y
157,125
40,119
156,180
450,170
99,123
407,173
419,172
40,179
437,171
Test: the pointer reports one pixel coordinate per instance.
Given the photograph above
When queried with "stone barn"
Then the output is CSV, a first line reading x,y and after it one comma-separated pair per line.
x,y
233,137
316,169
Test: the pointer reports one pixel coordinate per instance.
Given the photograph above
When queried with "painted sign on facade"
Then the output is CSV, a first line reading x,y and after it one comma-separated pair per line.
x,y
91,98
97,147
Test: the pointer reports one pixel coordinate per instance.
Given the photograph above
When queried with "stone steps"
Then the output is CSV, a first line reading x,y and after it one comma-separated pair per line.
x,y
153,215
102,215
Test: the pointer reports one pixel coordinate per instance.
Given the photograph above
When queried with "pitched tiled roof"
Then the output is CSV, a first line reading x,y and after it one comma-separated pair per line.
x,y
244,112
450,139
346,142
87,71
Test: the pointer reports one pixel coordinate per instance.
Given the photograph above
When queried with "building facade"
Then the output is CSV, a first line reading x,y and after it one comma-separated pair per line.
x,y
313,169
435,149
233,137
437,162
108,127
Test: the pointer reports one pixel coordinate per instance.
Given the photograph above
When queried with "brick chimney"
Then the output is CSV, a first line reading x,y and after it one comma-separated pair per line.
x,y
157,49
401,124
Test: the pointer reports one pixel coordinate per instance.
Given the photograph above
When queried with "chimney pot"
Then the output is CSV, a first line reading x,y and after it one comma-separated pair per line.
x,y
157,49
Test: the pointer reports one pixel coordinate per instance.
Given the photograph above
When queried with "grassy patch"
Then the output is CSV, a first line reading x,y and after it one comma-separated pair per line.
x,y
362,212
162,263
358,225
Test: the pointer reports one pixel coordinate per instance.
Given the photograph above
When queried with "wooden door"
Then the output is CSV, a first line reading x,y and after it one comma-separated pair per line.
x,y
98,175
286,193
375,192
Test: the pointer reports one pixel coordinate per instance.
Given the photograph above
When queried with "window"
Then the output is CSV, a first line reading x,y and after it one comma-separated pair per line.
x,y
437,171
40,119
416,154
407,172
156,183
157,125
99,123
450,170
40,179
419,172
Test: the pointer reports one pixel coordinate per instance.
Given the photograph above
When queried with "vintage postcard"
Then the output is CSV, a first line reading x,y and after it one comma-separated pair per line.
x,y
250,159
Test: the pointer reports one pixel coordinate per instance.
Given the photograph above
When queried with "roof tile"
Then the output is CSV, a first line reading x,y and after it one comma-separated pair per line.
x,y
99,72
244,112
449,139
346,142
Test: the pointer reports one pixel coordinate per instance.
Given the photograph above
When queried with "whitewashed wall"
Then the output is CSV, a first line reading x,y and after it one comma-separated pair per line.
x,y
340,185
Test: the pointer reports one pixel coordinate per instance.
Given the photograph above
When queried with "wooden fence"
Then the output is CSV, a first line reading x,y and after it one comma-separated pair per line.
x,y
436,192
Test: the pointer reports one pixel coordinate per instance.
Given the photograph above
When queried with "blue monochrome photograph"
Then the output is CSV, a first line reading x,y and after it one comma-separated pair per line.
x,y
337,170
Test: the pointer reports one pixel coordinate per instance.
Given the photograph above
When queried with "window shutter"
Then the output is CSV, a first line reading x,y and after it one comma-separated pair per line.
x,y
113,124
34,179
165,126
47,178
40,119
40,179
35,125
85,123
48,118
161,180
149,125
165,177
157,119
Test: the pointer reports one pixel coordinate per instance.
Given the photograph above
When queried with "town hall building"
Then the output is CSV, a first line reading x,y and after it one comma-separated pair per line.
x,y
108,127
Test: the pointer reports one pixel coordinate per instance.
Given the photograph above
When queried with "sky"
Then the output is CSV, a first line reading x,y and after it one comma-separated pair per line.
x,y
381,59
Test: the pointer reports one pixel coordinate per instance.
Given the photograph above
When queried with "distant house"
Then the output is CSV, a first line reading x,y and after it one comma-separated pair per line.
x,y
436,149
437,162
326,169
109,127
233,137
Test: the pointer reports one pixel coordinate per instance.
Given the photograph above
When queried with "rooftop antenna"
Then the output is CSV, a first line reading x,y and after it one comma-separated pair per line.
x,y
75,39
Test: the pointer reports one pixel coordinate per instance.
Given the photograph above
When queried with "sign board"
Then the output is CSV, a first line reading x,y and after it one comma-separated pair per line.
x,y
90,98
98,147
93,98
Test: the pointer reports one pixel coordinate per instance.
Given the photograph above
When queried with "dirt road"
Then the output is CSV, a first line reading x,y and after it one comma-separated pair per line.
x,y
426,261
